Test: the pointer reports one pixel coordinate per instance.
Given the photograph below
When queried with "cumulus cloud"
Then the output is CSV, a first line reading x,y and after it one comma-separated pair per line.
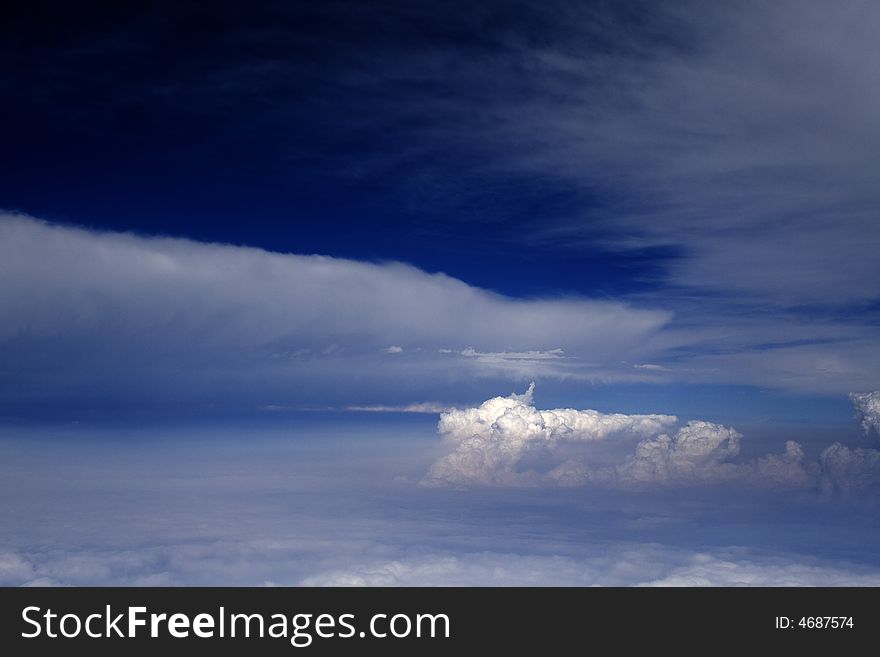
x,y
702,453
847,468
867,406
491,441
697,451
151,319
507,442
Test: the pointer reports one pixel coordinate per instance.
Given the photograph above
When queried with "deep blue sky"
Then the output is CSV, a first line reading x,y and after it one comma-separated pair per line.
x,y
270,128
647,209
708,167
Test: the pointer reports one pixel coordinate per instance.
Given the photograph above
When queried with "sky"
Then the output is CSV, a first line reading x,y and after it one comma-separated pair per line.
x,y
403,293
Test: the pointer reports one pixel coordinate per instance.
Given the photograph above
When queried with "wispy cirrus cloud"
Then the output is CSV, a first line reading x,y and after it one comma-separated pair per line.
x,y
693,137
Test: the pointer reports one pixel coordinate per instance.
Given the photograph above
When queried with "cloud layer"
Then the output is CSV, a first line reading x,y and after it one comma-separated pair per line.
x,y
688,569
119,319
86,315
307,504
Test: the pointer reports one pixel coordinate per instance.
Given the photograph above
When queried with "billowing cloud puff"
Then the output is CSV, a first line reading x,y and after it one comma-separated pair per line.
x,y
697,451
847,468
100,316
506,441
867,410
701,453
515,419
786,469
492,441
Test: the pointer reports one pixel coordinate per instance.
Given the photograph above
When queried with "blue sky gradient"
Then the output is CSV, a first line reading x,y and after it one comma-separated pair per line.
x,y
335,242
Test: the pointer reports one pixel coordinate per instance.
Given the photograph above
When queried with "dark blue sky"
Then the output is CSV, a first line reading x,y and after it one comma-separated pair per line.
x,y
227,355
690,188
269,125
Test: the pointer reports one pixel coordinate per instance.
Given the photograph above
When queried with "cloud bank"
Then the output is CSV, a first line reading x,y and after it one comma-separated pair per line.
x,y
491,441
688,569
237,505
87,315
867,410
506,441
601,565
702,453
123,320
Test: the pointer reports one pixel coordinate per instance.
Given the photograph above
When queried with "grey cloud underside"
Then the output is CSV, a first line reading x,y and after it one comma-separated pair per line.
x,y
507,442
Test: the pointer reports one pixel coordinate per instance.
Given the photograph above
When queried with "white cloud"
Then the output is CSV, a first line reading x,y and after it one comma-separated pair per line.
x,y
144,320
701,453
15,569
237,506
261,562
867,406
490,441
524,365
847,468
428,408
854,468
618,565
135,318
507,442
710,570
697,452
550,354
786,469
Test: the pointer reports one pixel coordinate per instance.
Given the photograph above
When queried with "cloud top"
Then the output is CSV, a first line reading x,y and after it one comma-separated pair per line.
x,y
508,442
867,405
490,442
